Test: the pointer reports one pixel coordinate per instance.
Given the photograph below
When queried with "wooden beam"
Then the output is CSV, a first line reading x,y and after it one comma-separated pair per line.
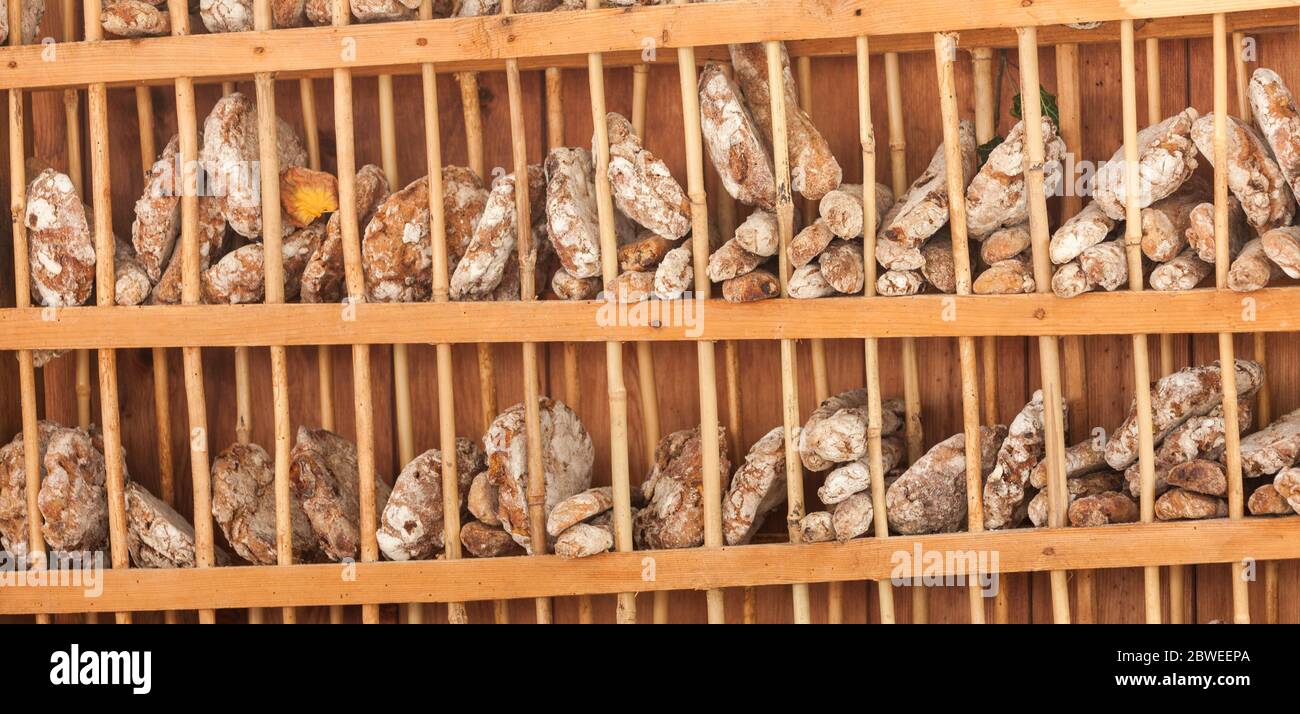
x,y
1121,313
1020,550
460,44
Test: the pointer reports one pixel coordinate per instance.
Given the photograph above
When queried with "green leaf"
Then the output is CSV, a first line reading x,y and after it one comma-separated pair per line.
x,y
1047,101
987,148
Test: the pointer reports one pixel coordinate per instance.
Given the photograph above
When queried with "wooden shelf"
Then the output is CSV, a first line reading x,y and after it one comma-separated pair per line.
x,y
1197,311
1024,550
542,39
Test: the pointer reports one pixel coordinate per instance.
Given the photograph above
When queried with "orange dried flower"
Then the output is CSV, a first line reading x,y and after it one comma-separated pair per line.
x,y
306,195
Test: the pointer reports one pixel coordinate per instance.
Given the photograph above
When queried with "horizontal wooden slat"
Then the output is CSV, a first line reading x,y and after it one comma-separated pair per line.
x,y
490,40
1263,21
1204,542
1198,311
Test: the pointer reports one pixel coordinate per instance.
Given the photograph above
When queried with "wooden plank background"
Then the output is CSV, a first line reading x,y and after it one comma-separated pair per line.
x,y
1187,81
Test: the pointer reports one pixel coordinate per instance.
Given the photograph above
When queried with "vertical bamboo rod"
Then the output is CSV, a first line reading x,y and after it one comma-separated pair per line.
x,y
273,262
875,457
945,48
195,399
645,366
456,613
1177,573
72,121
402,415
161,378
1227,350
22,297
324,353
816,347
640,86
803,74
789,361
472,117
405,426
554,78
83,387
472,113
735,423
243,398
913,431
725,210
1141,358
105,290
1263,400
528,292
985,99
244,429
76,172
363,393
619,479
1048,355
1242,80
1154,115
1071,130
985,128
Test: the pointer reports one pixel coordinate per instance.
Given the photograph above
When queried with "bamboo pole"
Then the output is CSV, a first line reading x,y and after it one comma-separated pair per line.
x,y
273,262
817,348
76,172
472,116
1048,347
945,48
244,399
324,353
1141,358
405,426
725,210
913,431
1227,350
554,78
161,378
36,558
402,414
456,613
985,128
363,392
528,292
1263,400
645,366
1177,573
105,290
625,612
195,398
472,112
789,361
1076,379
875,458
72,121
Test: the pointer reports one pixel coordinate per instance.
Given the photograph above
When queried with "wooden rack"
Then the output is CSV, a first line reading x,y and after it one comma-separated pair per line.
x,y
486,87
